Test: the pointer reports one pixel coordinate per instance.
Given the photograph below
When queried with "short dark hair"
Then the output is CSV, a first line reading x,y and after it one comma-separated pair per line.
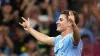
x,y
66,12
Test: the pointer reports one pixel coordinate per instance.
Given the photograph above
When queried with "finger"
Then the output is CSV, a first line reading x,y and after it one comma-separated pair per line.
x,y
28,20
20,24
23,18
70,13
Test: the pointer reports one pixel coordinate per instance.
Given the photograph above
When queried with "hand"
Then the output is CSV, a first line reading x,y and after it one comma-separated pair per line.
x,y
71,18
25,24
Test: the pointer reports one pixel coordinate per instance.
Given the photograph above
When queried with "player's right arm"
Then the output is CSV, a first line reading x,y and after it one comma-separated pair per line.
x,y
39,36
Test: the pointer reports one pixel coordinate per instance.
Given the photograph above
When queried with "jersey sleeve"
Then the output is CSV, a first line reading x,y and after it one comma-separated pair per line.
x,y
56,39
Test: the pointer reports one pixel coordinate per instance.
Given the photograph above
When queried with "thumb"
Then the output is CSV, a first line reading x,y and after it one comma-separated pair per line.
x,y
25,29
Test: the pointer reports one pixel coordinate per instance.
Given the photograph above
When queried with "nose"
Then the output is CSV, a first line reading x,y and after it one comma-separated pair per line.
x,y
57,22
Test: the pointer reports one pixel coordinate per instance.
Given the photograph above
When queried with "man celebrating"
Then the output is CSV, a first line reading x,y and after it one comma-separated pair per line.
x,y
69,42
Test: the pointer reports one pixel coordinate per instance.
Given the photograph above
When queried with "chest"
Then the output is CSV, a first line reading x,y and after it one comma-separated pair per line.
x,y
62,45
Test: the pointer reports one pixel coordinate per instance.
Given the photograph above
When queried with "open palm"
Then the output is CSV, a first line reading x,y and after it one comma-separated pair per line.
x,y
71,17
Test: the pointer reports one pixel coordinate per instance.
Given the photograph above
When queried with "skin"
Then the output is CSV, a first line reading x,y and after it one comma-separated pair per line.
x,y
64,25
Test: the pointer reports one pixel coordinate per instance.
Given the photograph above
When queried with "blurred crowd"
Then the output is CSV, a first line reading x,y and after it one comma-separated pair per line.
x,y
43,14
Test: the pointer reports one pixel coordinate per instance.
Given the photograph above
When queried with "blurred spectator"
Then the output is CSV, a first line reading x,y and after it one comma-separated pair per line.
x,y
18,2
7,17
6,45
51,51
91,16
84,30
31,46
96,13
18,40
6,13
45,16
32,11
89,33
81,20
34,17
57,7
26,7
87,46
97,47
45,11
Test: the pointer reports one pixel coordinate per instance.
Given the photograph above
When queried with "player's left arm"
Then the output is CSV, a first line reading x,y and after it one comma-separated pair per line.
x,y
76,32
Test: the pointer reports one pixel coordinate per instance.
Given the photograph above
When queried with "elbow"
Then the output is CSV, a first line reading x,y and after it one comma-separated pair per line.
x,y
76,40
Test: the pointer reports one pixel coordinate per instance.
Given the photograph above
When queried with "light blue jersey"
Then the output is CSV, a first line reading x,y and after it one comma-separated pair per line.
x,y
64,46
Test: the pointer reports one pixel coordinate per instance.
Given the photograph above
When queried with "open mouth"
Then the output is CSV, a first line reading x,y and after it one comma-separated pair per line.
x,y
58,25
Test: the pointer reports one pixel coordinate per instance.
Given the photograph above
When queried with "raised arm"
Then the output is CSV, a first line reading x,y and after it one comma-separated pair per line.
x,y
39,36
76,32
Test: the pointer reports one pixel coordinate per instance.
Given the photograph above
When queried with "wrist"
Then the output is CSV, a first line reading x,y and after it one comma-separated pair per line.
x,y
74,25
27,28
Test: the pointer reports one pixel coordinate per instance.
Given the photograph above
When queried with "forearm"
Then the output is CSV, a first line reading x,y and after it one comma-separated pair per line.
x,y
76,34
39,36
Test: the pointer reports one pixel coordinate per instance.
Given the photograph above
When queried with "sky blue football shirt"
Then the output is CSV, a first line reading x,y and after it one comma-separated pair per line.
x,y
64,46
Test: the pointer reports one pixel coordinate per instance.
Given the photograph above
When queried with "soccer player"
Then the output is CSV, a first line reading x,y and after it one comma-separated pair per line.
x,y
68,43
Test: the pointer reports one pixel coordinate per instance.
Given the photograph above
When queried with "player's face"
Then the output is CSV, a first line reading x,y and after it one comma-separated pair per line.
x,y
62,23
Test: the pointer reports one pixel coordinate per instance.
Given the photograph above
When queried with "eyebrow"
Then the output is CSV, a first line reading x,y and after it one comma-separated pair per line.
x,y
60,18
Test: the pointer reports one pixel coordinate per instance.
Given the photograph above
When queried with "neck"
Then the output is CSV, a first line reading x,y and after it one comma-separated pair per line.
x,y
67,31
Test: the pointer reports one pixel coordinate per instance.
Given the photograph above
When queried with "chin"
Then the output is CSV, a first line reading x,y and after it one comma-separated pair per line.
x,y
58,30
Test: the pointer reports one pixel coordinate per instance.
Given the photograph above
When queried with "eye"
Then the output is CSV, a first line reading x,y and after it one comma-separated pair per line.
x,y
61,19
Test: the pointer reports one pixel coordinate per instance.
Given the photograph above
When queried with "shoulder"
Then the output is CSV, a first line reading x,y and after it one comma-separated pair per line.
x,y
69,36
57,38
